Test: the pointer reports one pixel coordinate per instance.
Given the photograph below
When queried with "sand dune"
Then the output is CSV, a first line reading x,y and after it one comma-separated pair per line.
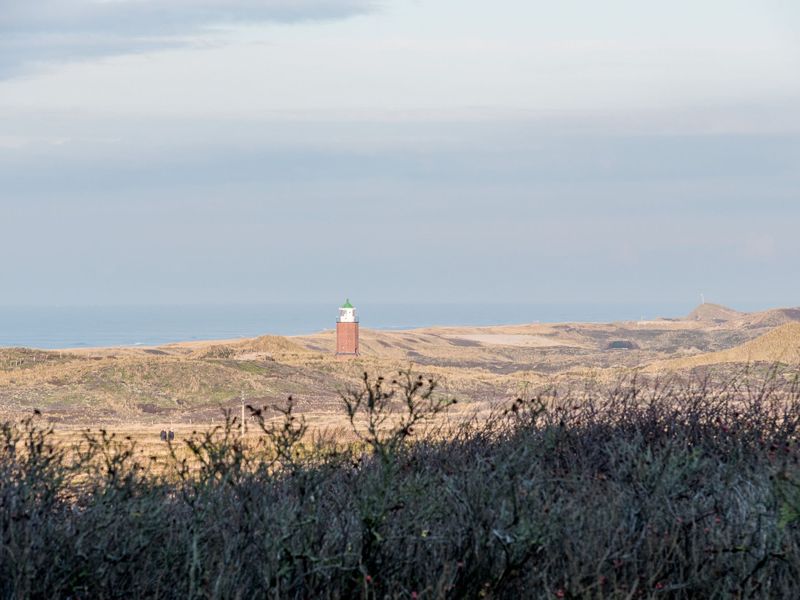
x,y
512,339
781,345
186,381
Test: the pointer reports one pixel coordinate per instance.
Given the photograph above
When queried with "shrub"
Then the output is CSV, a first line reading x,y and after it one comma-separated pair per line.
x,y
641,490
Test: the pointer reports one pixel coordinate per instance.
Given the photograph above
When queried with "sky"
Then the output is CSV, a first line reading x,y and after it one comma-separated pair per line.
x,y
240,151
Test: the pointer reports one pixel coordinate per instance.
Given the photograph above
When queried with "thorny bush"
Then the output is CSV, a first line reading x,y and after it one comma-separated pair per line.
x,y
647,489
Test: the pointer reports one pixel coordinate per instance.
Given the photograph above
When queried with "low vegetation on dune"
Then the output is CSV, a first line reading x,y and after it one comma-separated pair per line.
x,y
780,345
187,382
687,490
115,384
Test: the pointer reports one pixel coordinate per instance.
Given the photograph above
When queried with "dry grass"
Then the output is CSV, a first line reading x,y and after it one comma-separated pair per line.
x,y
190,382
782,344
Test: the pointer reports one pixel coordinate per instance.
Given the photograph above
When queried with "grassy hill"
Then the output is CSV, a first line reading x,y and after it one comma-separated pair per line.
x,y
714,313
781,345
722,316
190,381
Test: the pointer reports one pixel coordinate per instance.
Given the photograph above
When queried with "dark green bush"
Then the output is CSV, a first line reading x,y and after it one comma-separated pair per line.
x,y
679,491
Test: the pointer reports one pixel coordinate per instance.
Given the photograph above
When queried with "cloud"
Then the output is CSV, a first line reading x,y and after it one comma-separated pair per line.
x,y
760,247
48,31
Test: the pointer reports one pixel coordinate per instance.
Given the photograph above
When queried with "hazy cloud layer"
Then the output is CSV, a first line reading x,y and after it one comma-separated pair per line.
x,y
436,150
185,211
62,30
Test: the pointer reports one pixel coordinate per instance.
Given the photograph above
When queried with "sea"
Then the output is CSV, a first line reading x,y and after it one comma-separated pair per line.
x,y
61,327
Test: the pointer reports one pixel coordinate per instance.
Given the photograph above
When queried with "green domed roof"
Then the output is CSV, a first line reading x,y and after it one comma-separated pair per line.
x,y
347,304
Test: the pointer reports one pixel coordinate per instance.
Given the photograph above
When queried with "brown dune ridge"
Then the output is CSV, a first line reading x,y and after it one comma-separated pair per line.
x,y
480,365
781,345
722,316
268,345
714,313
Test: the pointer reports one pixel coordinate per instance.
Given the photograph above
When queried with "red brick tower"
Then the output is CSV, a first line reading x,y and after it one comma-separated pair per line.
x,y
347,331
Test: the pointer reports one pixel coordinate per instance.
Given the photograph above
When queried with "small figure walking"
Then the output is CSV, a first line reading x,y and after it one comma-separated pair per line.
x,y
163,436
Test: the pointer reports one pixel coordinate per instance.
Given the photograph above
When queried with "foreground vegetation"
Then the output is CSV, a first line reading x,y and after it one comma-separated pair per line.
x,y
660,490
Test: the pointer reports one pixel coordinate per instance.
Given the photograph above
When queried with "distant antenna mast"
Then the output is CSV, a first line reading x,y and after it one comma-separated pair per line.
x,y
702,298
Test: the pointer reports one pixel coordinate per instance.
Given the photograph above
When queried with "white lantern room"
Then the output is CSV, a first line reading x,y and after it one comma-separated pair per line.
x,y
347,313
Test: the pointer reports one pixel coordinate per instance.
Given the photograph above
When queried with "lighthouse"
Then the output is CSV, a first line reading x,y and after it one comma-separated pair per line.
x,y
347,331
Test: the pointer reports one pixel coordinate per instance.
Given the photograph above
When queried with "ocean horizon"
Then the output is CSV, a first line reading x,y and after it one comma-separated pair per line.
x,y
102,326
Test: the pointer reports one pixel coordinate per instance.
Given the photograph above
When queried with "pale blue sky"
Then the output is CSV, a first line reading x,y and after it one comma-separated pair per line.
x,y
431,150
